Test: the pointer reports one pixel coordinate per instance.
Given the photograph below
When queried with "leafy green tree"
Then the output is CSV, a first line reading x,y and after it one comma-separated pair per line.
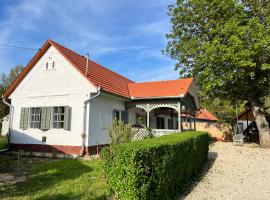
x,y
225,45
224,110
5,82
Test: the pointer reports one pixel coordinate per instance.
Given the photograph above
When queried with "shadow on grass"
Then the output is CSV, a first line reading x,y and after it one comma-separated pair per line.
x,y
68,196
45,176
188,187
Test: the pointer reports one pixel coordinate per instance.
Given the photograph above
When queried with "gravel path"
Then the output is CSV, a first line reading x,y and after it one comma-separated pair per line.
x,y
234,173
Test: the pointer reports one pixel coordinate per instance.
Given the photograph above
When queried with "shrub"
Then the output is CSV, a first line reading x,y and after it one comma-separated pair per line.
x,y
120,132
155,168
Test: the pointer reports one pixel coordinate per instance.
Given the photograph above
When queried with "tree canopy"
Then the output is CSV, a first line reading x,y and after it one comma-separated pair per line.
x,y
5,82
225,45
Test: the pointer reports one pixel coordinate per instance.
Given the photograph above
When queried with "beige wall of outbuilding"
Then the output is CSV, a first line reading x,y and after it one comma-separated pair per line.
x,y
215,130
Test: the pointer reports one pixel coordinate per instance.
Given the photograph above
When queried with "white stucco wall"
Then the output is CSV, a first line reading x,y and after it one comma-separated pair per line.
x,y
101,116
62,86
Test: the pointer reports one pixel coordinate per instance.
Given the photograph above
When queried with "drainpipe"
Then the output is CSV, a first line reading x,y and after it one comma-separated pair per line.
x,y
84,119
9,125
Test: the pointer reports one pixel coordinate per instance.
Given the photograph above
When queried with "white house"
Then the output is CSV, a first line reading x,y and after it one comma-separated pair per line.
x,y
64,102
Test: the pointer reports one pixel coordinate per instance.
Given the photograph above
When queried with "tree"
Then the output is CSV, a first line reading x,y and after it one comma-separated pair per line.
x,y
224,110
225,45
5,81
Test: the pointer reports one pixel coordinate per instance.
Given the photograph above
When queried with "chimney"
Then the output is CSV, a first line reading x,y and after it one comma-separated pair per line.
x,y
87,61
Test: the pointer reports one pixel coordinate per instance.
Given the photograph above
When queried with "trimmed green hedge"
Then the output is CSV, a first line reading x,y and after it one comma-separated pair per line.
x,y
155,168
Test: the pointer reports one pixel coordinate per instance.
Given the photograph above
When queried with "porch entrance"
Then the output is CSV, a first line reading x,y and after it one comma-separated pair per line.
x,y
163,116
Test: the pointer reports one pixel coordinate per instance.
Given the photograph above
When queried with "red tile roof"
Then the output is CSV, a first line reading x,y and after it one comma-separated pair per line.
x,y
206,115
108,80
171,88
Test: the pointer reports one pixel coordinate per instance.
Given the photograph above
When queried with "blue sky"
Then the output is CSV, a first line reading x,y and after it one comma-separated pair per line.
x,y
124,35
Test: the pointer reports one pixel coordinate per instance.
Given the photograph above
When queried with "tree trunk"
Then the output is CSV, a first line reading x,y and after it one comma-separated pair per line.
x,y
261,122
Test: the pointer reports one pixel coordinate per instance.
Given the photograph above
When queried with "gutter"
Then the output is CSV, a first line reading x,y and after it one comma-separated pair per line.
x,y
9,125
167,97
83,135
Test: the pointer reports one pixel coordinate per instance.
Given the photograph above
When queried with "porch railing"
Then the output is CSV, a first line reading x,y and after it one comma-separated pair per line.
x,y
143,133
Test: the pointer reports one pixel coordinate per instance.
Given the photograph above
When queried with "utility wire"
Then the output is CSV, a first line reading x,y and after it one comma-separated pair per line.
x,y
18,47
7,46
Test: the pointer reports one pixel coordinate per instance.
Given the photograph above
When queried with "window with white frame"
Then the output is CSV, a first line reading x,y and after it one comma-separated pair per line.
x,y
45,118
120,115
35,117
50,64
58,117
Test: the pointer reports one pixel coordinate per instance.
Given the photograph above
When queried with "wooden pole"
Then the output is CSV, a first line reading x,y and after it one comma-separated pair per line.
x,y
190,123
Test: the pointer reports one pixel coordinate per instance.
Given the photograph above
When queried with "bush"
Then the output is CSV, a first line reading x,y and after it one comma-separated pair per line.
x,y
120,132
155,168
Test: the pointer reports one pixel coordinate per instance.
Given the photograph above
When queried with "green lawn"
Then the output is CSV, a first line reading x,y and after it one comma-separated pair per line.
x,y
3,142
60,179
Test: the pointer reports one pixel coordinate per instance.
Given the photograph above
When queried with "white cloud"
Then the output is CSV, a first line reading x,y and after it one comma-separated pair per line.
x,y
159,27
158,73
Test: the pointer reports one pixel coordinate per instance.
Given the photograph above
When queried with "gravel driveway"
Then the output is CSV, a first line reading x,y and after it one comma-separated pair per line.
x,y
234,172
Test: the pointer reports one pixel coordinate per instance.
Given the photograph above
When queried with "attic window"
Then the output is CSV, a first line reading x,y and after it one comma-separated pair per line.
x,y
50,65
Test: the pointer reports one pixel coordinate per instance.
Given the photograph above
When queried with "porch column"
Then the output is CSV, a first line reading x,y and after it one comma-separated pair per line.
x,y
148,117
179,117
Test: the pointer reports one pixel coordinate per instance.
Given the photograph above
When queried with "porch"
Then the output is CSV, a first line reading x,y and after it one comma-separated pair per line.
x,y
162,116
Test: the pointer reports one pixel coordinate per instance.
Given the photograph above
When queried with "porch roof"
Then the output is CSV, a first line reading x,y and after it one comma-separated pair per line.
x,y
160,89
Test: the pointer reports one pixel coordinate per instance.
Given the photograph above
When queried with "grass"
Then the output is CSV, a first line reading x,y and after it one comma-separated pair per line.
x,y
59,179
3,142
